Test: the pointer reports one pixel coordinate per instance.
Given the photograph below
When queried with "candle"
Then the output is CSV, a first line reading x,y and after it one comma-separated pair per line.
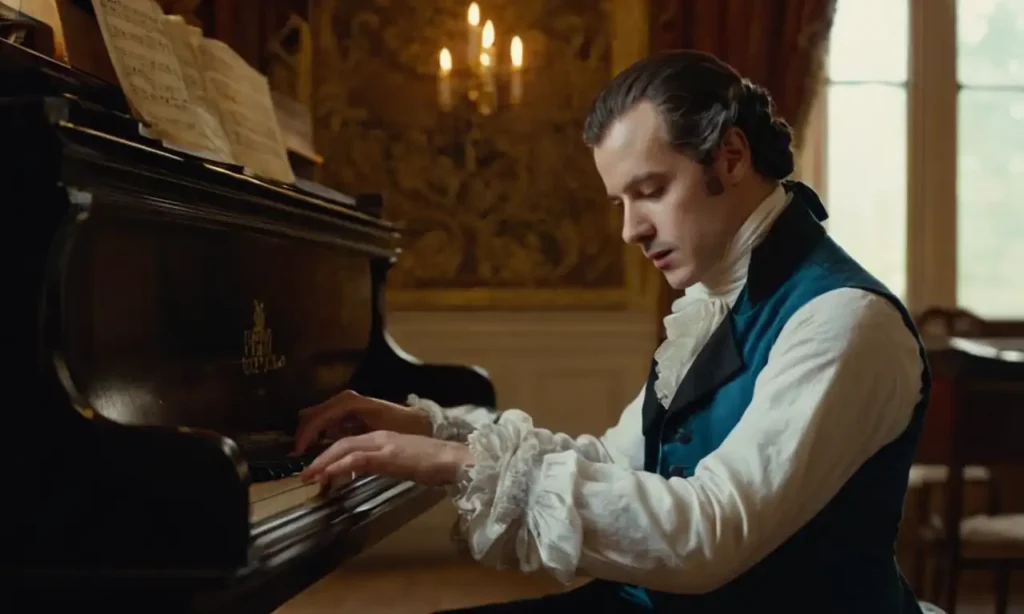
x,y
444,81
487,46
487,39
487,69
473,22
488,96
516,54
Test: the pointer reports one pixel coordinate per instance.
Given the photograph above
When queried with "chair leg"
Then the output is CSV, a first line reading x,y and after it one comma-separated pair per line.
x,y
921,558
949,583
921,562
1002,578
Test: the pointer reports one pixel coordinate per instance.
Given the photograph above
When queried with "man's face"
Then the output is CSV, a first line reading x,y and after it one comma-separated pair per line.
x,y
676,210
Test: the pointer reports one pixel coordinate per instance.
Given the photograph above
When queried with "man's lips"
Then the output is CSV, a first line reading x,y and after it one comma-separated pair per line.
x,y
660,257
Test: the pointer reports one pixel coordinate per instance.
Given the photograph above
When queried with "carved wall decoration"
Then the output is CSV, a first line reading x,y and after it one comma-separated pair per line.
x,y
499,211
290,60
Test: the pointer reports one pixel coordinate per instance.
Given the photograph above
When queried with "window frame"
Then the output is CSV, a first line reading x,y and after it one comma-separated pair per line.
x,y
932,92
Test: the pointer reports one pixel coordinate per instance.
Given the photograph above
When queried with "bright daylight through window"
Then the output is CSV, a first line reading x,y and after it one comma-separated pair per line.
x,y
866,172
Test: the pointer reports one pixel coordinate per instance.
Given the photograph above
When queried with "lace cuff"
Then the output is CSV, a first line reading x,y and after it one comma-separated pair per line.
x,y
502,506
444,425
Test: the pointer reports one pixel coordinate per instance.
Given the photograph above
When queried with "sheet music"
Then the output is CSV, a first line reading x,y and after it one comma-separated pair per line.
x,y
149,74
185,40
242,96
293,118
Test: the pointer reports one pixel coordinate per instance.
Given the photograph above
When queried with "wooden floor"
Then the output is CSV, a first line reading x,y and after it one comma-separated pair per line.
x,y
419,589
424,588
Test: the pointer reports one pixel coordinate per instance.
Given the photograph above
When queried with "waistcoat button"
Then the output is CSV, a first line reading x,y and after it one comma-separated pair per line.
x,y
684,437
677,471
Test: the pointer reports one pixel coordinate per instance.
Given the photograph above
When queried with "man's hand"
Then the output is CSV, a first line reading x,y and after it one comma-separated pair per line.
x,y
349,413
425,460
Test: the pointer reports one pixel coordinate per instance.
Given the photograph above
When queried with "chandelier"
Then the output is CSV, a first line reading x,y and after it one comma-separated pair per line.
x,y
482,78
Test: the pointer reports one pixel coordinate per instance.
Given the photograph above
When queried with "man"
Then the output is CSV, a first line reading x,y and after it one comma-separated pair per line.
x,y
765,464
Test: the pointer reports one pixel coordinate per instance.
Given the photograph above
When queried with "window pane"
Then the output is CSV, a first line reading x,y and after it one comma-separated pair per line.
x,y
990,42
990,211
867,177
869,41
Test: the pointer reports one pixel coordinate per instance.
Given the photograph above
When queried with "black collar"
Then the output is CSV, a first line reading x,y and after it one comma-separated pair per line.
x,y
795,233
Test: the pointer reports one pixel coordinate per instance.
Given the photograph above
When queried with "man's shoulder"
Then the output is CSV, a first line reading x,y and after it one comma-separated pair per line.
x,y
853,319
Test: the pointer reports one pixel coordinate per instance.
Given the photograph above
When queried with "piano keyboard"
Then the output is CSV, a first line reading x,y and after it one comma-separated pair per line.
x,y
276,487
267,499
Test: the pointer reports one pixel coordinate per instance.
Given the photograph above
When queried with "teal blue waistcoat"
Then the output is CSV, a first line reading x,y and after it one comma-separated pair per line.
x,y
843,560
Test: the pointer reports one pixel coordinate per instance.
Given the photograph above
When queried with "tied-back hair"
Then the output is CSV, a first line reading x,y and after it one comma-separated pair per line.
x,y
699,98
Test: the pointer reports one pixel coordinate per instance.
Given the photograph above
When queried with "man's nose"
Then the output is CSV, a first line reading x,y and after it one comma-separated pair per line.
x,y
636,227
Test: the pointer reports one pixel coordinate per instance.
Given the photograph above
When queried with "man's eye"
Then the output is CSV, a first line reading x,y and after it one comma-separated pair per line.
x,y
652,193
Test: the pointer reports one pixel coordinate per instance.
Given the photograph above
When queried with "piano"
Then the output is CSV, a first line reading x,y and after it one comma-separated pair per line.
x,y
167,318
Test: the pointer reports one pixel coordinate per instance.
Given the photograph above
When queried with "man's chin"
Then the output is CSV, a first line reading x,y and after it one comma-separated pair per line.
x,y
680,278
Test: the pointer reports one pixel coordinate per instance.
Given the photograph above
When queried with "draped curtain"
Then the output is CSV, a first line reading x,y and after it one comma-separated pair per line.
x,y
778,44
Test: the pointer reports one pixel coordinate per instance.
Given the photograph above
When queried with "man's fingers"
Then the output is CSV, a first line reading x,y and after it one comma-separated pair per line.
x,y
311,430
315,420
339,450
361,462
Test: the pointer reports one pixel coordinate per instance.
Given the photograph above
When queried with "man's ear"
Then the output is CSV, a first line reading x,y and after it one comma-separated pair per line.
x,y
733,160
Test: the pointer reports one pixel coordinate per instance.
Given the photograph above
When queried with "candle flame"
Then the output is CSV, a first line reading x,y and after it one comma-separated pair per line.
x,y
473,14
487,38
485,59
516,52
445,58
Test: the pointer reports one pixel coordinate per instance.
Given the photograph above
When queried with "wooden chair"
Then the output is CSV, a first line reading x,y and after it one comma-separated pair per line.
x,y
985,427
928,478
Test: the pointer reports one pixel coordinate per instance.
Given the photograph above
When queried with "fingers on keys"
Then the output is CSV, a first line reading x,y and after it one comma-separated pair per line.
x,y
316,420
359,454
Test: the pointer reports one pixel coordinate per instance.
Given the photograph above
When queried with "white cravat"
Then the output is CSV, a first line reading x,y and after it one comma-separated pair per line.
x,y
696,315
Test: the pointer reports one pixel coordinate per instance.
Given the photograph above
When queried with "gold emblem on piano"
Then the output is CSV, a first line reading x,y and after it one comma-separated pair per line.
x,y
258,345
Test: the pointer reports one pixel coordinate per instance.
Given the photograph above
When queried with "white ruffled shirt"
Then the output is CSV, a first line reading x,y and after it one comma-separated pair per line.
x,y
841,381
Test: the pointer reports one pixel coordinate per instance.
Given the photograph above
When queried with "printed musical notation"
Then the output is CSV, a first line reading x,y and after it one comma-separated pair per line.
x,y
246,110
150,76
195,93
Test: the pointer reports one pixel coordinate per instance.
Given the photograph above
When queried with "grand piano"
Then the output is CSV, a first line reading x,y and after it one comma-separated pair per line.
x,y
167,318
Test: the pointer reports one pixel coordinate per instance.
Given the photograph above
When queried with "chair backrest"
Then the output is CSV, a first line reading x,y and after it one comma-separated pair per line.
x,y
985,418
940,321
956,322
938,325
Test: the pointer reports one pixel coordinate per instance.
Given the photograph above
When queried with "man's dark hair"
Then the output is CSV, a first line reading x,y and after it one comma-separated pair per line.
x,y
699,98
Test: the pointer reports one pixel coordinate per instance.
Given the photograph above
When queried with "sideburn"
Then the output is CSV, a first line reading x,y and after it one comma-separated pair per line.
x,y
714,185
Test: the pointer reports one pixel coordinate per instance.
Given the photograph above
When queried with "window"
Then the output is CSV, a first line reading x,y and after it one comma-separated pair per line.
x,y
922,128
866,127
990,157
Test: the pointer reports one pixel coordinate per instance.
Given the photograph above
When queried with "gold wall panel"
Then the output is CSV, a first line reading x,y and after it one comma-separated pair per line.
x,y
500,211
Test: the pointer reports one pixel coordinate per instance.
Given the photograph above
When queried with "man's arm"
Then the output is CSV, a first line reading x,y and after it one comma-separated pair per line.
x,y
621,444
841,382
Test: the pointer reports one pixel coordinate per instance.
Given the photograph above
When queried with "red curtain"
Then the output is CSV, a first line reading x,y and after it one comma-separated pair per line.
x,y
779,44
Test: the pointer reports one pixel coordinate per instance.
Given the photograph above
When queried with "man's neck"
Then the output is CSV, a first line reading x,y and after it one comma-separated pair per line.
x,y
750,198
727,277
